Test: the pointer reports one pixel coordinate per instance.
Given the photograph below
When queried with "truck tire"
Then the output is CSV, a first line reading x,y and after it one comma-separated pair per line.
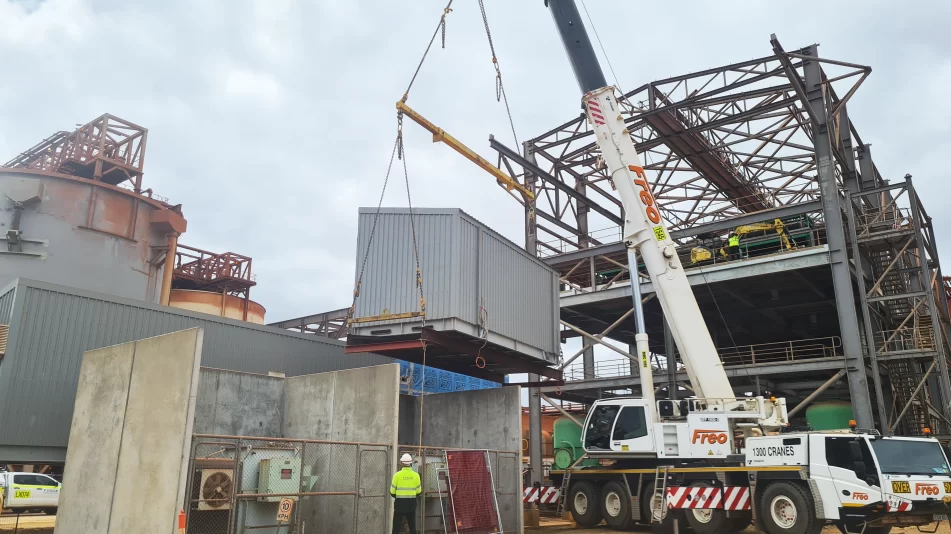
x,y
786,508
585,504
616,506
708,521
666,526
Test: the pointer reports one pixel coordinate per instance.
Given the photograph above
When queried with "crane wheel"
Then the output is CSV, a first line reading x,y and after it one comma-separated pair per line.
x,y
664,526
786,508
616,506
584,501
708,521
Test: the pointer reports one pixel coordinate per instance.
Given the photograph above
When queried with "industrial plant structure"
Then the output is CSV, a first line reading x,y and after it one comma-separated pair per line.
x,y
852,308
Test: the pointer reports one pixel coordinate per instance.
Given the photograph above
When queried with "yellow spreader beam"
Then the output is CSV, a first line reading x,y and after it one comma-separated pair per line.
x,y
441,135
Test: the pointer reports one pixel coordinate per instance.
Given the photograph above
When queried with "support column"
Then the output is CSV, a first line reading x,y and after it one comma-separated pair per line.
x,y
633,350
935,314
867,321
841,275
168,268
588,359
534,398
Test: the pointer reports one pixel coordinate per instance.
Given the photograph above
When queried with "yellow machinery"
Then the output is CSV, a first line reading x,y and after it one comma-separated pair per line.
x,y
704,254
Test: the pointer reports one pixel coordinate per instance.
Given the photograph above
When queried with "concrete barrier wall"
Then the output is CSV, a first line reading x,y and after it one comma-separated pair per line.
x,y
486,419
239,404
358,405
135,408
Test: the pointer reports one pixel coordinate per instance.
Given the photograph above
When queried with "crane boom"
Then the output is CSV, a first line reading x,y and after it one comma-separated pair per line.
x,y
645,231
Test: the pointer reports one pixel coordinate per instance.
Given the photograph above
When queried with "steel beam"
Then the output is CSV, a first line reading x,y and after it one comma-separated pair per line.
x,y
534,401
835,234
819,391
867,323
926,277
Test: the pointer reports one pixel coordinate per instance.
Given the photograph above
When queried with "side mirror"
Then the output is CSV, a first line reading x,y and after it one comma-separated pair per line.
x,y
855,451
861,472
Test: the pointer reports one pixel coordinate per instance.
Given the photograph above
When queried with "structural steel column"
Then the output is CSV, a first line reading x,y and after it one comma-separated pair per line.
x,y
838,256
935,314
588,359
534,398
635,370
867,319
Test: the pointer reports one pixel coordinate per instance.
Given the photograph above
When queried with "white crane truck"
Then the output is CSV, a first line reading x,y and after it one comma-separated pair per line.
x,y
716,461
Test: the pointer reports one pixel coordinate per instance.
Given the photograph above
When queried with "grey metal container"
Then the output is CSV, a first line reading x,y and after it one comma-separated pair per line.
x,y
465,266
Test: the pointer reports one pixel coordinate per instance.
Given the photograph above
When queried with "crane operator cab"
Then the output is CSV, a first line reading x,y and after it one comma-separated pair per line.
x,y
691,428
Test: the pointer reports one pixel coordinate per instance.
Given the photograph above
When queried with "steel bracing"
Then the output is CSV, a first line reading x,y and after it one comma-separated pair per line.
x,y
764,139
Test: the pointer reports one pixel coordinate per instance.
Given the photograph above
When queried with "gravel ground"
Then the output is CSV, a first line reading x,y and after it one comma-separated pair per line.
x,y
557,527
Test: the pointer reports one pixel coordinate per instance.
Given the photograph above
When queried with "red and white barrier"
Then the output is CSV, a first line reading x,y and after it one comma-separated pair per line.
x,y
543,495
897,504
706,498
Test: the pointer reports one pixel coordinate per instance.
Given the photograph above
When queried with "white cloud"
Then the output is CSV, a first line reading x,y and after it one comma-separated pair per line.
x,y
272,122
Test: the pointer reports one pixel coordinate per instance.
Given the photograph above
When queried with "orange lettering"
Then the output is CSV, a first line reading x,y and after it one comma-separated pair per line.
x,y
712,437
926,489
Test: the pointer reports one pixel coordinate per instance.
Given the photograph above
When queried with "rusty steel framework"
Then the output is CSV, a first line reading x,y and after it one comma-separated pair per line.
x,y
107,149
201,270
332,324
740,144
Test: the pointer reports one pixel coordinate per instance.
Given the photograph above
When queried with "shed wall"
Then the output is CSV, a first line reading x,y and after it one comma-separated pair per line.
x,y
52,326
6,303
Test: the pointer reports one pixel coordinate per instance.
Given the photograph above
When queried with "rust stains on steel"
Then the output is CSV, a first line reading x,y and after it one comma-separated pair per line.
x,y
108,149
227,273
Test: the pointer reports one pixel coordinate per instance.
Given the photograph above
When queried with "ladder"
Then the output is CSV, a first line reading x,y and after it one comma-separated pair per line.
x,y
563,497
658,504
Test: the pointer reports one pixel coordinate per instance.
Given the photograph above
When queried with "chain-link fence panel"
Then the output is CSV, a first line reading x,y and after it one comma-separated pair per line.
x,y
284,486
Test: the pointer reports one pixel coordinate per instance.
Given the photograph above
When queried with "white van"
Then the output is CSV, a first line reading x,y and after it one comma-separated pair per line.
x,y
27,492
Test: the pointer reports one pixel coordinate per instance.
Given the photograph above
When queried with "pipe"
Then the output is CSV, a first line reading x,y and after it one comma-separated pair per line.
x,y
812,396
168,269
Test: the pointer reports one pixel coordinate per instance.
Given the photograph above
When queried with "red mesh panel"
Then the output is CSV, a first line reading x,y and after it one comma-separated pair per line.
x,y
472,504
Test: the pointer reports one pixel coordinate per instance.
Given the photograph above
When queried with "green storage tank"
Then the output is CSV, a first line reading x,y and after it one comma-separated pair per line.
x,y
566,440
830,415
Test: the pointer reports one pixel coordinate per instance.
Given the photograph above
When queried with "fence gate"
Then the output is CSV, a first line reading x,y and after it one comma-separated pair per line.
x,y
236,485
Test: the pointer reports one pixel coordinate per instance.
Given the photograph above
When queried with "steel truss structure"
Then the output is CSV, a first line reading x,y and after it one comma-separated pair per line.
x,y
749,142
332,324
107,149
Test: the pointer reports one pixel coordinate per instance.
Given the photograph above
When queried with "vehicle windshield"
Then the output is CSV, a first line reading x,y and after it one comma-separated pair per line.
x,y
908,457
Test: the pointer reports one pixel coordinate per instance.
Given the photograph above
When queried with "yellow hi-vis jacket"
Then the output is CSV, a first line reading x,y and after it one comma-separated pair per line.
x,y
406,484
735,241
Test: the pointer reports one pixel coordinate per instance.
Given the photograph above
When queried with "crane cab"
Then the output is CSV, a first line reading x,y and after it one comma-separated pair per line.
x,y
619,426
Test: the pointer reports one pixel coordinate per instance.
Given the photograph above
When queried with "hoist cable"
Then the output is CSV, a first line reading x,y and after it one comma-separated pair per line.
x,y
441,27
499,88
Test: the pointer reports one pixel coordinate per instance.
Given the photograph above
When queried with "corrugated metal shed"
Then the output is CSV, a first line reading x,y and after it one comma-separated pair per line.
x,y
6,304
464,265
51,326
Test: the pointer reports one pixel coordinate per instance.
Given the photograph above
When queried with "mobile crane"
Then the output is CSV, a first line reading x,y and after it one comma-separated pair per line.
x,y
715,460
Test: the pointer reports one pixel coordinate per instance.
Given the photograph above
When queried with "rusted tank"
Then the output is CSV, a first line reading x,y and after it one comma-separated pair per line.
x,y
218,304
84,233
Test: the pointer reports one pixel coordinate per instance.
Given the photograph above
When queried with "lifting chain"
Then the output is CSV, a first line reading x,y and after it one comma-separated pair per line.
x,y
440,28
499,88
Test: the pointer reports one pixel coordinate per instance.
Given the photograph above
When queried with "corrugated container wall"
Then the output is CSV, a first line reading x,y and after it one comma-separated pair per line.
x,y
53,325
464,264
6,305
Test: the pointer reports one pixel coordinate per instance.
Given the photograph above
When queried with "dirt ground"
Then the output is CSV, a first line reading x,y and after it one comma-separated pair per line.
x,y
552,526
31,523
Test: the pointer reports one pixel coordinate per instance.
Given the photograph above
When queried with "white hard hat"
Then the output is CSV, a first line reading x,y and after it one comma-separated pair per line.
x,y
406,459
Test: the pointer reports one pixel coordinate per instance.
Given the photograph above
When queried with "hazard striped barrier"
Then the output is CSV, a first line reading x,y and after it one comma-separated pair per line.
x,y
897,504
543,495
707,498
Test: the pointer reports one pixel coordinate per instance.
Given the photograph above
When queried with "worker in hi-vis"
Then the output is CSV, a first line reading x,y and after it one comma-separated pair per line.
x,y
405,488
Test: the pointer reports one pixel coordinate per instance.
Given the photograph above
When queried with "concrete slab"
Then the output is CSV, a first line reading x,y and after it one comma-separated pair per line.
x,y
130,436
156,437
239,404
93,454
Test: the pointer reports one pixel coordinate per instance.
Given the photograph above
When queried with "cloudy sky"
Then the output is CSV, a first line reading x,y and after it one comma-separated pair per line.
x,y
271,121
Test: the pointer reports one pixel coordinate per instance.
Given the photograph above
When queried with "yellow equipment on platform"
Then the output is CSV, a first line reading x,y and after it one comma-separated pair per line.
x,y
703,254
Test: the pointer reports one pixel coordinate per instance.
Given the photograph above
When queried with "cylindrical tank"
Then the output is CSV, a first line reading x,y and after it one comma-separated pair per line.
x,y
84,234
830,415
217,304
546,442
566,439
